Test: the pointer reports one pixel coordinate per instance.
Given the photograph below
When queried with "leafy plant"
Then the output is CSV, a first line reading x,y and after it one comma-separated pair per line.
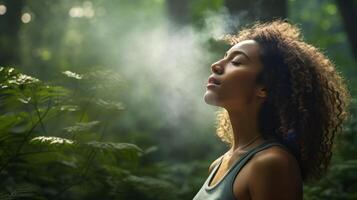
x,y
73,163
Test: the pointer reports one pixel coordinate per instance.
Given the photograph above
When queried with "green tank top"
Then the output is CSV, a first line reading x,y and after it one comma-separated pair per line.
x,y
223,190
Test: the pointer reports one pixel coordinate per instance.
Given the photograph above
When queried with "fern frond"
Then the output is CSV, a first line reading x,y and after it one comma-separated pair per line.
x,y
72,75
82,126
51,140
111,146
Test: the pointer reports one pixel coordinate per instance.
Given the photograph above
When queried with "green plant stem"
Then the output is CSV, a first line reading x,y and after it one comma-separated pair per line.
x,y
19,148
86,167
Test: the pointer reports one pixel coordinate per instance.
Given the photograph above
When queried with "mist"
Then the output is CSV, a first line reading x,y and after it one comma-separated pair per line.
x,y
169,64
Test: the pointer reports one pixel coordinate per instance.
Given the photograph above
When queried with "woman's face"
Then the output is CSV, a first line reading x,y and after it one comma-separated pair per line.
x,y
233,82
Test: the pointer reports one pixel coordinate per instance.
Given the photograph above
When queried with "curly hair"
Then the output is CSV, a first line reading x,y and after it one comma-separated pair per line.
x,y
307,101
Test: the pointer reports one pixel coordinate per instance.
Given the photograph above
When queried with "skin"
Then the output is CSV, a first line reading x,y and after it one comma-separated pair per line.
x,y
272,173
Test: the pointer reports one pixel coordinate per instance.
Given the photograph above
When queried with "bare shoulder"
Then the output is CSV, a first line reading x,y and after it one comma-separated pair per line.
x,y
275,175
274,157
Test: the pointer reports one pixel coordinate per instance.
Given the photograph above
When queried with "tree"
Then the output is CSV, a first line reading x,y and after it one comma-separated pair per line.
x,y
262,10
258,10
10,23
178,11
348,11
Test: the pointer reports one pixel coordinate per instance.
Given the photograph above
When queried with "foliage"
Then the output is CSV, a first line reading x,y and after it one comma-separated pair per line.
x,y
65,135
321,24
340,183
35,164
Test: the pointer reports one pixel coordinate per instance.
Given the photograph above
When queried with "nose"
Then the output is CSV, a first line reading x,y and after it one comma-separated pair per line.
x,y
217,68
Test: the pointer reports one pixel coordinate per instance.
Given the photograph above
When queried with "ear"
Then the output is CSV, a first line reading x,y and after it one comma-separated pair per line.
x,y
262,92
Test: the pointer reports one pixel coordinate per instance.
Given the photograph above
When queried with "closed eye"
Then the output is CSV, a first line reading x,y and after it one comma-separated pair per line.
x,y
236,63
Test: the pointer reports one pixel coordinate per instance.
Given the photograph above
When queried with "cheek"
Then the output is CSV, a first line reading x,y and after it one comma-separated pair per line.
x,y
237,89
239,86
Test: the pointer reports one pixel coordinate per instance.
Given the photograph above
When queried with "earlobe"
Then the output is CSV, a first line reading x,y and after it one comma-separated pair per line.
x,y
262,93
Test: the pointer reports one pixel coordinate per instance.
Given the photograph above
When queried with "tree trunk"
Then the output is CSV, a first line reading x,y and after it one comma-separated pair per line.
x,y
348,11
10,24
178,11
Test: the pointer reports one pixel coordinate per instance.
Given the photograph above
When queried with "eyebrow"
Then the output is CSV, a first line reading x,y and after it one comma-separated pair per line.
x,y
236,52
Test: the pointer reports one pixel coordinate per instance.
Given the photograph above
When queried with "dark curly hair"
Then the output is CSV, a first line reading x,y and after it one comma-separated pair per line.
x,y
307,101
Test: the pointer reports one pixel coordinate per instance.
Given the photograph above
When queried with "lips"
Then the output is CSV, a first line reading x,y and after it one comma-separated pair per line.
x,y
213,80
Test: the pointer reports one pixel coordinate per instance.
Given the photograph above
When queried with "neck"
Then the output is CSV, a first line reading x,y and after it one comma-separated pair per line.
x,y
245,128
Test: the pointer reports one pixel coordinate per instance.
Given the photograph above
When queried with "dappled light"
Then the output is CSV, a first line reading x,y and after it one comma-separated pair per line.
x,y
86,10
2,9
26,18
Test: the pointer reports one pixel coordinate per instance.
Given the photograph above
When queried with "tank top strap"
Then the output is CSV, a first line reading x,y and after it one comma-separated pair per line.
x,y
251,152
217,163
236,167
214,169
244,160
255,150
223,189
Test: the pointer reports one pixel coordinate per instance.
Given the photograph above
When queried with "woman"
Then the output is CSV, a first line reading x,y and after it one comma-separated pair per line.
x,y
283,102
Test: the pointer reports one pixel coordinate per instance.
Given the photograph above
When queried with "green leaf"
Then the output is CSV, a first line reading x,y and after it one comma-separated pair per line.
x,y
11,78
151,187
10,120
21,79
52,91
115,147
50,140
25,100
81,127
110,105
24,191
4,196
151,149
69,108
72,75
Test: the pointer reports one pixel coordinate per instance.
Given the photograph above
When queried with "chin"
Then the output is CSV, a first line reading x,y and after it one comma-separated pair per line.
x,y
211,98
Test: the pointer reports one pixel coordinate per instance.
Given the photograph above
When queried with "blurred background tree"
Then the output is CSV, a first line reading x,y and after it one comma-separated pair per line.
x,y
9,38
103,99
348,11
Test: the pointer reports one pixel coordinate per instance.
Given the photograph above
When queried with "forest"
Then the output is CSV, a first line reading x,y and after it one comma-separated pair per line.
x,y
103,99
